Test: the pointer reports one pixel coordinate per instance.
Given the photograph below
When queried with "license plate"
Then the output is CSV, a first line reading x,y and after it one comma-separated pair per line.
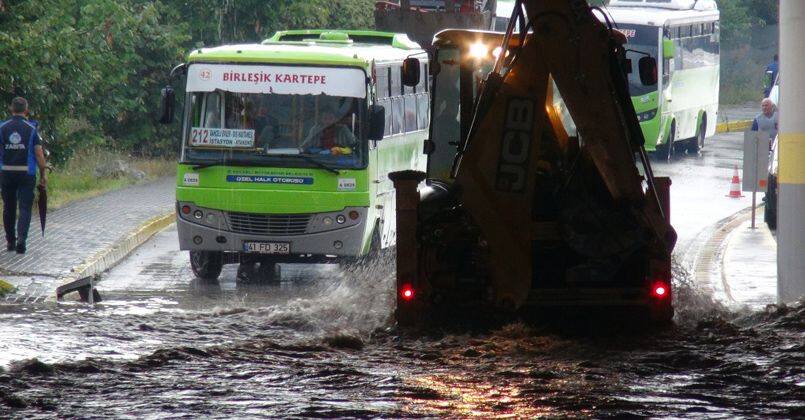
x,y
267,247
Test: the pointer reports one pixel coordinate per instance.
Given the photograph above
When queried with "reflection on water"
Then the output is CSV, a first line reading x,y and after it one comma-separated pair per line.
x,y
320,345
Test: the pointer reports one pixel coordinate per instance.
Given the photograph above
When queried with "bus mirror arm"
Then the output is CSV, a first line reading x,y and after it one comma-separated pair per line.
x,y
168,100
377,122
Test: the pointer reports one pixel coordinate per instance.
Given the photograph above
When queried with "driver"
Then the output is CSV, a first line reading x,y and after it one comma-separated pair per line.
x,y
328,136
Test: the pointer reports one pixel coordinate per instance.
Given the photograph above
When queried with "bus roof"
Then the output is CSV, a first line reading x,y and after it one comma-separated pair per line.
x,y
315,47
656,16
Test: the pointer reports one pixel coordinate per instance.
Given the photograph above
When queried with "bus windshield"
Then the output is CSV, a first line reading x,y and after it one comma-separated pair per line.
x,y
254,128
274,116
642,40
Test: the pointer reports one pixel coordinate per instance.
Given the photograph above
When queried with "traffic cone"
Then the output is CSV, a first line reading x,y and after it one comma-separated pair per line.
x,y
735,185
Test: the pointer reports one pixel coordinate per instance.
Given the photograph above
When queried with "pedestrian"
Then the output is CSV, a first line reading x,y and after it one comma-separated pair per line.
x,y
20,153
771,75
767,120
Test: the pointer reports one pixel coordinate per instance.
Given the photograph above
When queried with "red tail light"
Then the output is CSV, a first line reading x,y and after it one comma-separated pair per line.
x,y
660,290
407,292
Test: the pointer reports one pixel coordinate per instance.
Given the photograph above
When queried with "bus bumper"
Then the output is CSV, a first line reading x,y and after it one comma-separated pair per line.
x,y
346,241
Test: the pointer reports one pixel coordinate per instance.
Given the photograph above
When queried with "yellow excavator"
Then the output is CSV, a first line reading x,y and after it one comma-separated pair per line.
x,y
539,194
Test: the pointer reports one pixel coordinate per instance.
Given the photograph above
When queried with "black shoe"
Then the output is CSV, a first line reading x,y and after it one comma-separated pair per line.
x,y
10,246
20,248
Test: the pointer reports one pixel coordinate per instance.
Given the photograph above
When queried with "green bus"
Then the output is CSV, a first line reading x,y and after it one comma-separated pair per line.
x,y
287,144
681,110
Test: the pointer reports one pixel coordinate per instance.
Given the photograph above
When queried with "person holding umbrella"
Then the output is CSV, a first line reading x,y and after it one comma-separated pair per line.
x,y
20,154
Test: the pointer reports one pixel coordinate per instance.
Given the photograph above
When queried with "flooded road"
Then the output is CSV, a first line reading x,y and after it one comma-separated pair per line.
x,y
321,344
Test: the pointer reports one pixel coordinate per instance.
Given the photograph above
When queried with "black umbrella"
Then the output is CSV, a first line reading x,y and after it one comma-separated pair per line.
x,y
42,203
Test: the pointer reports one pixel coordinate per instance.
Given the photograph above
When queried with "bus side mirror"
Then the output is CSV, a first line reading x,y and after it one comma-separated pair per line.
x,y
168,105
648,71
377,122
668,48
410,72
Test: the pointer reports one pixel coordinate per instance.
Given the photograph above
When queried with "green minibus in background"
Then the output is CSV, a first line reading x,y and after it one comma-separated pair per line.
x,y
287,144
681,110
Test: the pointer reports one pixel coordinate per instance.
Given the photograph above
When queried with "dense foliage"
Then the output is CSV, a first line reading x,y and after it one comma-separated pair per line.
x,y
92,69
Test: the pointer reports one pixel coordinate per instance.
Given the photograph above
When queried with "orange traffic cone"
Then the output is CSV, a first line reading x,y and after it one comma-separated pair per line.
x,y
735,185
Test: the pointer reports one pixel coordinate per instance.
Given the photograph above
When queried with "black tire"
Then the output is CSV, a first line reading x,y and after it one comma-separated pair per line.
x,y
770,218
770,207
666,151
83,293
696,145
207,265
268,272
258,272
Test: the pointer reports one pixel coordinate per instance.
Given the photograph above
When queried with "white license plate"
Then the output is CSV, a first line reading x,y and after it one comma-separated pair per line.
x,y
267,247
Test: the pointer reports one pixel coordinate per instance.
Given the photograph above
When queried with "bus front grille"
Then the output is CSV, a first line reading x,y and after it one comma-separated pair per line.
x,y
269,224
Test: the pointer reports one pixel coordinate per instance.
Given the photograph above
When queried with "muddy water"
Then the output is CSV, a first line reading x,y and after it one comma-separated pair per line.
x,y
320,345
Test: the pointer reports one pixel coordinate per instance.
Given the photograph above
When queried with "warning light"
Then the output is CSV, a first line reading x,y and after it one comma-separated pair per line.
x,y
186,209
407,292
660,290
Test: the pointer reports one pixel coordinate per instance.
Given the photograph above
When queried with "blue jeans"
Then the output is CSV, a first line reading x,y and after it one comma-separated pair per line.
x,y
17,186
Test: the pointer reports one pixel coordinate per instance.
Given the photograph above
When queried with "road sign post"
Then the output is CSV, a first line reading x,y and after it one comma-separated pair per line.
x,y
756,164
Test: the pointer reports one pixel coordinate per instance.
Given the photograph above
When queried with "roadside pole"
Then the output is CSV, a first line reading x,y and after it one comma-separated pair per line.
x,y
755,165
791,201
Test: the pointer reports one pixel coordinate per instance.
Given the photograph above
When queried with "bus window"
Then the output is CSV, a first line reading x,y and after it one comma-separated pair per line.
x,y
397,113
383,82
386,102
423,78
410,113
396,81
212,110
422,110
644,40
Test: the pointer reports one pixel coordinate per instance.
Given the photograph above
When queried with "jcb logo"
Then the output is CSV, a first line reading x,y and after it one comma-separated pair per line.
x,y
516,145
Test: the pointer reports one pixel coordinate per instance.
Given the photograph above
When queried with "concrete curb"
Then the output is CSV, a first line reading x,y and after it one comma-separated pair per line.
x,y
733,126
110,256
708,267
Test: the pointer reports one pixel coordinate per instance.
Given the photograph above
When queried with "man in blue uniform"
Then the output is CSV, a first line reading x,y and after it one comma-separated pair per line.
x,y
20,154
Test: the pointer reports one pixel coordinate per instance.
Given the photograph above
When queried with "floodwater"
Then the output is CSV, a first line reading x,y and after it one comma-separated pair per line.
x,y
321,345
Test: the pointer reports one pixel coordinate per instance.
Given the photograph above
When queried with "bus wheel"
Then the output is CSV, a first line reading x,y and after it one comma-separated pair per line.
x,y
269,272
696,145
667,151
206,265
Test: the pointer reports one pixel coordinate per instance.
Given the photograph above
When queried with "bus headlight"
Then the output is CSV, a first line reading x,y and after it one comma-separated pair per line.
x,y
647,115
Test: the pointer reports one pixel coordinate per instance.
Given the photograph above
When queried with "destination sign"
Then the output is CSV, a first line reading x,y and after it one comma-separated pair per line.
x,y
283,80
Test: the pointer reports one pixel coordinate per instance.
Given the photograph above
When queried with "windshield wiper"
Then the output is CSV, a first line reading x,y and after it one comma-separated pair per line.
x,y
311,160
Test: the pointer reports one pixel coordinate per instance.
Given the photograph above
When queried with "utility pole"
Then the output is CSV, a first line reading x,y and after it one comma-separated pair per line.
x,y
791,176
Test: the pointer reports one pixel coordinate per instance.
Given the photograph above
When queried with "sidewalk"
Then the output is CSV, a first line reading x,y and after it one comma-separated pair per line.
x,y
80,231
749,265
